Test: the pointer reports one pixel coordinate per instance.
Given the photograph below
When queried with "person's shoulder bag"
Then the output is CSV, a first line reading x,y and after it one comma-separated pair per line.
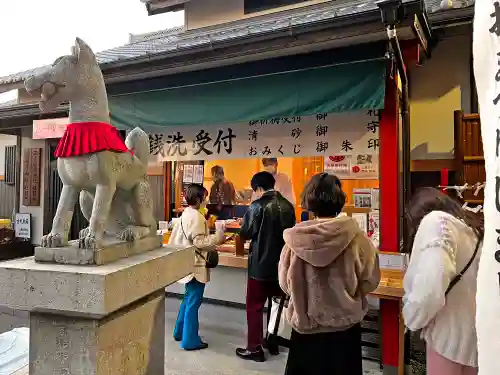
x,y
458,277
212,257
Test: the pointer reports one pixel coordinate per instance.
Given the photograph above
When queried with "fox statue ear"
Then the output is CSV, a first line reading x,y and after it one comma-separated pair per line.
x,y
82,51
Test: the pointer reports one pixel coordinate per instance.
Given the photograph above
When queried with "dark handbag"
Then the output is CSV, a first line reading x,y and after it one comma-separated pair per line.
x,y
212,258
458,277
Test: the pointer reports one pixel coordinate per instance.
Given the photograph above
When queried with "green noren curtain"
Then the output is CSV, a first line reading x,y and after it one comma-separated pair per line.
x,y
341,88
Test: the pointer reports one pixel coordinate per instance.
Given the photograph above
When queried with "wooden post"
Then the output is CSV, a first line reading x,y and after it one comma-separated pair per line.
x,y
167,190
390,190
32,162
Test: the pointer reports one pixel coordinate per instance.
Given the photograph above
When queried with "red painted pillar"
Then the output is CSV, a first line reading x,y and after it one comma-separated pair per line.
x,y
390,191
444,179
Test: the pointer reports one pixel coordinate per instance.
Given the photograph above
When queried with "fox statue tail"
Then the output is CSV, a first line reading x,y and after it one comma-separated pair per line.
x,y
138,142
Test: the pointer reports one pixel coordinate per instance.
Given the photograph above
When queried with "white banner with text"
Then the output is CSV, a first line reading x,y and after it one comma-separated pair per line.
x,y
322,134
486,52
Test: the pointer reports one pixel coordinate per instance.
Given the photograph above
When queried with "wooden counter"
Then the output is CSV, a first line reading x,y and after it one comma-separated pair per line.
x,y
227,259
390,287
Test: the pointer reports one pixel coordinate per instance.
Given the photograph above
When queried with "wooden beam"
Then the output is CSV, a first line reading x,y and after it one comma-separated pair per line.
x,y
410,52
432,165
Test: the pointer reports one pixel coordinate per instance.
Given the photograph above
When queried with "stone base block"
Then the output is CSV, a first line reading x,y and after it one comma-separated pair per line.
x,y
90,291
111,251
130,341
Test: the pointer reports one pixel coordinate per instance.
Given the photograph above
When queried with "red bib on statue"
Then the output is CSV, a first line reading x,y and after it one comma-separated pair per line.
x,y
82,138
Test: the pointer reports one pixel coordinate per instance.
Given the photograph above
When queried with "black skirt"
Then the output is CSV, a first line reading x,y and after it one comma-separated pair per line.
x,y
332,353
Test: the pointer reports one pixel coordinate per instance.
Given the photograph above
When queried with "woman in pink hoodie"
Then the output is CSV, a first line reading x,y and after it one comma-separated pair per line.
x,y
327,267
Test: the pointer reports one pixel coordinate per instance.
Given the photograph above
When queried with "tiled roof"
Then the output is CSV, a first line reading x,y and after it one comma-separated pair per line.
x,y
21,76
169,40
136,38
234,30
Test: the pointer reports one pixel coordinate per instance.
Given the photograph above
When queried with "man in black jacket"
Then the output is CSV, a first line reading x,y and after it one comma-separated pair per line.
x,y
263,224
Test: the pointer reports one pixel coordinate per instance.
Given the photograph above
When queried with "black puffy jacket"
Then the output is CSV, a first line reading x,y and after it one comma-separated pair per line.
x,y
263,224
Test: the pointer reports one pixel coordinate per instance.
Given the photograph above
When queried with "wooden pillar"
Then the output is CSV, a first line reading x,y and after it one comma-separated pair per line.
x,y
167,190
390,190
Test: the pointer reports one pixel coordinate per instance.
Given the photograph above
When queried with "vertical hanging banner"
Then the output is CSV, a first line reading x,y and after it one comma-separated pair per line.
x,y
32,159
486,53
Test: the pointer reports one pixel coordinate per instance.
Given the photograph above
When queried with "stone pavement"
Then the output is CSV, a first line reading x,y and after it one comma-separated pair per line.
x,y
224,330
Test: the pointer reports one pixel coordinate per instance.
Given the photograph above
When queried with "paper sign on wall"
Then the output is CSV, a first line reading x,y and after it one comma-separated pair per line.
x,y
355,166
187,177
22,226
362,220
49,128
198,171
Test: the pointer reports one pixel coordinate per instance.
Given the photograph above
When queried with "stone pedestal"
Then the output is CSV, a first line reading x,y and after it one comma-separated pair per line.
x,y
111,251
96,320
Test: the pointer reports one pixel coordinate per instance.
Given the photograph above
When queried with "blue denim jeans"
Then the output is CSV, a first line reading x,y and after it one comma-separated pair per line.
x,y
187,324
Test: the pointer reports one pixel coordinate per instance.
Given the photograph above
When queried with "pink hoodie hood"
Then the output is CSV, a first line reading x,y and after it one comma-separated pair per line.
x,y
320,242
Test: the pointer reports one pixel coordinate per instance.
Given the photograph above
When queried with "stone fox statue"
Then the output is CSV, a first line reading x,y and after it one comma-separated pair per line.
x,y
110,175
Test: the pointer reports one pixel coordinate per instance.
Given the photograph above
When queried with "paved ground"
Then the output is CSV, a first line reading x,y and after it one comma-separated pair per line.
x,y
224,330
222,327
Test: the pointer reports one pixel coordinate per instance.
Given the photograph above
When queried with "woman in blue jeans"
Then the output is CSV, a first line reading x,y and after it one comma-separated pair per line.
x,y
192,229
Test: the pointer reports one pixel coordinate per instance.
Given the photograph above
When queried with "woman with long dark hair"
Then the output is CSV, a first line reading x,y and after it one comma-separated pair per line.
x,y
440,283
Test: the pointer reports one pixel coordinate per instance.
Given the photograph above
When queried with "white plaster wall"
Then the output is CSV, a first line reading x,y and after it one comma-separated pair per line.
x,y
226,284
35,211
230,285
437,89
5,140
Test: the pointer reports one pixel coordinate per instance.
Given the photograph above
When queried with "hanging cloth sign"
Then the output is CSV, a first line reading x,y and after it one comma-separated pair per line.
x,y
486,52
323,134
